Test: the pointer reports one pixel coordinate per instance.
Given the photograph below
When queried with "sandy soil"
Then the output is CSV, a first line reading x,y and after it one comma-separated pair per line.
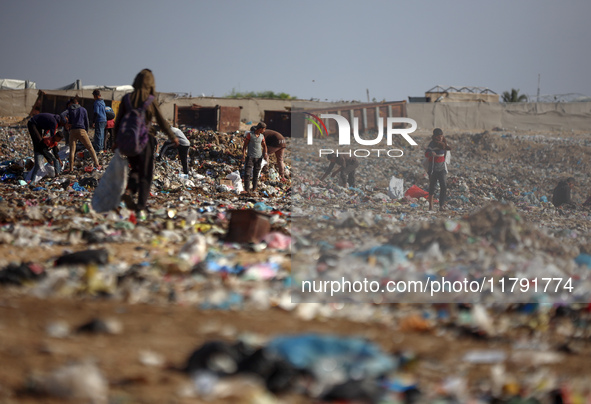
x,y
175,331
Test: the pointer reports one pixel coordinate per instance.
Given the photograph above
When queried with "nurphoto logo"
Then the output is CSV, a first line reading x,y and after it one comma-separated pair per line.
x,y
344,130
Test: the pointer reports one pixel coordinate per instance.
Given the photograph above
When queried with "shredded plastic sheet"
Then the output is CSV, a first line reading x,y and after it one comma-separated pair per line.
x,y
107,195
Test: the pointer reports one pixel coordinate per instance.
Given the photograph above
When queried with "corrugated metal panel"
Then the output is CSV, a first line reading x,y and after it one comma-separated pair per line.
x,y
195,116
279,121
223,119
56,104
365,113
370,115
229,119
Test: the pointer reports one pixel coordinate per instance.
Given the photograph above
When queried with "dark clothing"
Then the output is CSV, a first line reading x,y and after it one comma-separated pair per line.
x,y
348,176
99,136
109,140
42,150
109,134
37,125
153,111
441,177
274,140
436,153
561,194
341,161
142,165
143,88
255,165
348,166
276,145
78,117
46,122
66,132
183,154
36,136
142,173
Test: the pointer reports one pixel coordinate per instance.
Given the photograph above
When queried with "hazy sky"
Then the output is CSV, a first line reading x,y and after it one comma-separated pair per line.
x,y
331,50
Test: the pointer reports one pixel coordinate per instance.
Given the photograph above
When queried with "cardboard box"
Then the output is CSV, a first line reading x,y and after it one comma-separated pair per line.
x,y
248,226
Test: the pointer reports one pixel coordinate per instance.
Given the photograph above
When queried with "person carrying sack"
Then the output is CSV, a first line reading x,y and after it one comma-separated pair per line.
x,y
141,171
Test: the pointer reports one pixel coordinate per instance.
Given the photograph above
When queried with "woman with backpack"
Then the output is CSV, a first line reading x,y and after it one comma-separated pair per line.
x,y
141,173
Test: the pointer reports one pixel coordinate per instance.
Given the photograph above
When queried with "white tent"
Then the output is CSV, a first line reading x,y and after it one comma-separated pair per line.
x,y
110,88
77,85
10,84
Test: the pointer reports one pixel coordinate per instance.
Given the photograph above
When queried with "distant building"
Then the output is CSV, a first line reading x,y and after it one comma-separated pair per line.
x,y
458,94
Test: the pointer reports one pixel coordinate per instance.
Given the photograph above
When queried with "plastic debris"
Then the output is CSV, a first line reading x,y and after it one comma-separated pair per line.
x,y
80,381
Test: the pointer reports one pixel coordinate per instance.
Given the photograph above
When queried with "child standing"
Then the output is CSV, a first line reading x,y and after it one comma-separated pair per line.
x,y
257,148
437,170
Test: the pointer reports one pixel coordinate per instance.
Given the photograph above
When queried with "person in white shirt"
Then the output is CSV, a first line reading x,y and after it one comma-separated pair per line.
x,y
183,149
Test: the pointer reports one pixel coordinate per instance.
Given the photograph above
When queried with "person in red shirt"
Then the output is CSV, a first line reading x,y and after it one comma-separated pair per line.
x,y
43,150
109,133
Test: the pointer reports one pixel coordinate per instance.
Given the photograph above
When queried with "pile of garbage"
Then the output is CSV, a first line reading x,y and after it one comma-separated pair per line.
x,y
499,226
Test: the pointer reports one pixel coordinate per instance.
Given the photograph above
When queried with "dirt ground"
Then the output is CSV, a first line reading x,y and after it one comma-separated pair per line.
x,y
175,331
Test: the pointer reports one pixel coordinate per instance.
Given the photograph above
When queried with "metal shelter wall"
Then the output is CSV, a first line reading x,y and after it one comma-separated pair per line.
x,y
510,116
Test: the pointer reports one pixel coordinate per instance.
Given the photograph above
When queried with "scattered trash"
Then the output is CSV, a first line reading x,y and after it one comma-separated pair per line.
x,y
100,257
220,250
248,226
150,358
101,326
396,188
112,185
79,381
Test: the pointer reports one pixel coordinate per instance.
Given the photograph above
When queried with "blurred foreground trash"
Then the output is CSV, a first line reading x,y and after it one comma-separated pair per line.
x,y
101,326
342,368
107,195
194,250
15,274
248,226
278,240
82,382
100,257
